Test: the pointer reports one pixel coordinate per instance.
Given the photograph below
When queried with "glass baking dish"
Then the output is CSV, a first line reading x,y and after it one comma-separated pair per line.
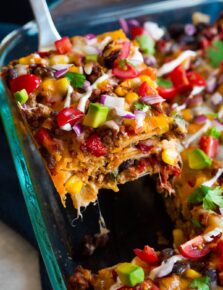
x,y
131,215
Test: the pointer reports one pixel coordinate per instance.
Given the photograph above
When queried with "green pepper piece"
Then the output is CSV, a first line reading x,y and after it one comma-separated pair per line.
x,y
164,83
214,132
198,159
21,96
96,115
91,57
130,274
146,44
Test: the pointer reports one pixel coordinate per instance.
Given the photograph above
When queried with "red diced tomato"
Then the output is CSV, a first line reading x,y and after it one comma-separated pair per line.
x,y
147,255
95,146
136,31
125,50
43,53
126,72
209,145
196,79
69,116
29,82
63,45
145,90
179,78
42,136
195,248
167,93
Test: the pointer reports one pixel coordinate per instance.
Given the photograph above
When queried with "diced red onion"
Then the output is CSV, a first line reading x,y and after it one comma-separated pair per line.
x,y
216,98
200,119
133,22
112,102
90,36
77,129
140,116
150,60
152,99
196,100
124,114
211,84
61,66
60,73
86,85
124,25
189,29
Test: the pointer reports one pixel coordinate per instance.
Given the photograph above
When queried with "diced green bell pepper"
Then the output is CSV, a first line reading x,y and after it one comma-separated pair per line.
x,y
21,96
198,159
130,274
214,132
146,44
96,115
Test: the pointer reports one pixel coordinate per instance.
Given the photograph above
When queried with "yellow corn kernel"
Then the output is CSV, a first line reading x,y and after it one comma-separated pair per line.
x,y
131,97
193,128
117,34
158,123
170,156
178,237
74,185
48,85
62,85
150,82
187,115
121,92
58,59
192,274
74,69
30,59
129,122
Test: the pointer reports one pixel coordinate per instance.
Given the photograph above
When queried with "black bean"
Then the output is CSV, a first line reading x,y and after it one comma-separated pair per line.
x,y
166,254
176,30
126,164
110,59
43,72
180,267
198,266
211,273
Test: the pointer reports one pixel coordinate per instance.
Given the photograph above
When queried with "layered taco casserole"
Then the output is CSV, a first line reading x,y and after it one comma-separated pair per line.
x,y
104,110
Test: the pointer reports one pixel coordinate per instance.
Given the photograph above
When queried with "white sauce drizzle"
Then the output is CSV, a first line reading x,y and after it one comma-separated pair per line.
x,y
67,101
212,181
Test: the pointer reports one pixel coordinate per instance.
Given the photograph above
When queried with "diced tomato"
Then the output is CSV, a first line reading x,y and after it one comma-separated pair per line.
x,y
42,136
95,146
43,53
179,78
220,276
145,90
147,255
141,166
204,43
219,252
144,148
125,50
63,45
196,79
29,82
209,145
69,116
195,248
126,72
167,93
136,31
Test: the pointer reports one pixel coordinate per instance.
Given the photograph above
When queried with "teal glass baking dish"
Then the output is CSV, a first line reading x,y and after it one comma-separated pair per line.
x,y
59,233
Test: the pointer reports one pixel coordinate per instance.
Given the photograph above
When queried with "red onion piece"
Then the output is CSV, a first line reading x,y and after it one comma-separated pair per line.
x,y
211,84
112,102
150,60
133,22
152,99
196,100
216,98
189,29
60,73
86,85
77,129
90,36
124,25
124,114
200,119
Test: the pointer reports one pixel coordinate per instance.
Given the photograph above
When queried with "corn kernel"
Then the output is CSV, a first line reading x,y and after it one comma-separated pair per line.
x,y
178,237
121,92
170,156
187,115
74,185
59,59
150,82
117,34
192,274
62,85
30,59
129,122
74,68
48,85
131,97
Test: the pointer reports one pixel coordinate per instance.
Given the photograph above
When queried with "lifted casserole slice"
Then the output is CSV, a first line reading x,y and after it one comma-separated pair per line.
x,y
93,108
